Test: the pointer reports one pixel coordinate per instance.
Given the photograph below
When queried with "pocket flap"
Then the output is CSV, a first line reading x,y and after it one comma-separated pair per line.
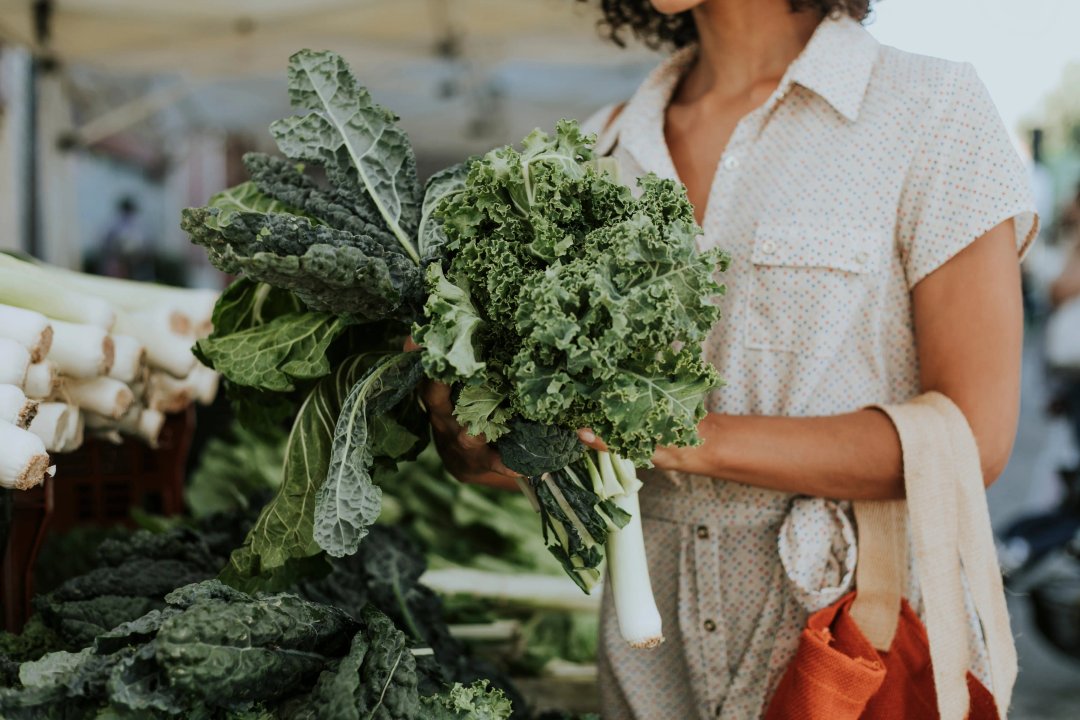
x,y
840,249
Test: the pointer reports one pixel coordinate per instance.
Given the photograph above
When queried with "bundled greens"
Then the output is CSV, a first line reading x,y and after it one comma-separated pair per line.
x,y
215,652
551,296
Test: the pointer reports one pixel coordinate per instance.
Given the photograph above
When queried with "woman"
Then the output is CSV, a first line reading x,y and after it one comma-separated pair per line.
x,y
874,210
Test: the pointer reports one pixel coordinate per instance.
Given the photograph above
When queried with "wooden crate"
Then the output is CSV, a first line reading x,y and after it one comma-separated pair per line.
x,y
98,484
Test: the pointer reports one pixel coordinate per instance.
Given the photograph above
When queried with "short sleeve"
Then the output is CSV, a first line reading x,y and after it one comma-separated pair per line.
x,y
965,178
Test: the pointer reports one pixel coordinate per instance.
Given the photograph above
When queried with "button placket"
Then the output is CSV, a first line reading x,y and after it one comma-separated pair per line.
x,y
713,641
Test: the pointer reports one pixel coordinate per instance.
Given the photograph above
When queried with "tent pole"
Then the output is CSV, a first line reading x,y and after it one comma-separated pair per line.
x,y
31,221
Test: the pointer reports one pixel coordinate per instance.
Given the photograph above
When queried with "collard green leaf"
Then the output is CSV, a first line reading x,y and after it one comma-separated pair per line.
x,y
349,501
272,356
246,304
357,141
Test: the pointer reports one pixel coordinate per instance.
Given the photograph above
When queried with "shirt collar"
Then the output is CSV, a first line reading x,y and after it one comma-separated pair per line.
x,y
837,63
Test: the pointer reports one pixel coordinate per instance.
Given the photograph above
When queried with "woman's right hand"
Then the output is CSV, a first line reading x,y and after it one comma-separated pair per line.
x,y
469,458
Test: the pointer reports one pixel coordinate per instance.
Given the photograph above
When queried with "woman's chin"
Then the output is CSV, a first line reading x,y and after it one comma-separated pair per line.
x,y
673,7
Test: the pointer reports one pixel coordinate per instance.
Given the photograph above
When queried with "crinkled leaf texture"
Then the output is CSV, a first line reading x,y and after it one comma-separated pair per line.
x,y
350,249
283,534
274,355
351,136
477,701
533,449
228,649
586,305
349,501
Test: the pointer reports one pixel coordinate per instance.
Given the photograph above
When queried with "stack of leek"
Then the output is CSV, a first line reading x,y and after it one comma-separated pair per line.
x,y
80,353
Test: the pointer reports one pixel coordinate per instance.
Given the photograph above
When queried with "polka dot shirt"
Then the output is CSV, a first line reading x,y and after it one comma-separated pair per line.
x,y
866,170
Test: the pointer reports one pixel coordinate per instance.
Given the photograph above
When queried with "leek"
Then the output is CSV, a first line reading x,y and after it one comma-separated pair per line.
x,y
26,286
42,379
102,395
24,462
81,351
28,328
14,362
129,358
15,407
165,349
53,424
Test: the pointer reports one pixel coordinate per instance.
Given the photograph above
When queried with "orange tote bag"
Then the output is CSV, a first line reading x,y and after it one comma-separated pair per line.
x,y
868,655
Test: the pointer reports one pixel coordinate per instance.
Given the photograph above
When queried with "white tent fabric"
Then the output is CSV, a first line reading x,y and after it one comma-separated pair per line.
x,y
210,37
463,74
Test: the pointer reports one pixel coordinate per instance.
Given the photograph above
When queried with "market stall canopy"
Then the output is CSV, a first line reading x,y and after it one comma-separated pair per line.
x,y
489,69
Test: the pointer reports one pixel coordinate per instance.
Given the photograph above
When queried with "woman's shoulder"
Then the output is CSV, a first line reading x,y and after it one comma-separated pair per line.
x,y
933,83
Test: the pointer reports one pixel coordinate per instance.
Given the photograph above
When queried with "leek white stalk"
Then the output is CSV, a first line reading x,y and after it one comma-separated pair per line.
x,y
204,383
42,379
102,395
14,362
27,286
53,424
165,349
109,436
141,422
167,394
130,355
76,431
15,407
81,351
628,569
24,462
28,328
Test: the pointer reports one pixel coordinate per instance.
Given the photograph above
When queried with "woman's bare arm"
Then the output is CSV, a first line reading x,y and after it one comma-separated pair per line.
x,y
968,326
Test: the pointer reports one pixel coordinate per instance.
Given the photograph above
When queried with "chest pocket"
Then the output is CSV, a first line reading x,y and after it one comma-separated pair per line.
x,y
810,290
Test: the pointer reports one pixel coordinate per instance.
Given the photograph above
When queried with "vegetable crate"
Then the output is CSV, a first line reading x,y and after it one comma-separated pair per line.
x,y
98,484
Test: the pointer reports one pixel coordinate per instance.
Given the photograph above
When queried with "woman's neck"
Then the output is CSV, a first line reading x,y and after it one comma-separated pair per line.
x,y
742,44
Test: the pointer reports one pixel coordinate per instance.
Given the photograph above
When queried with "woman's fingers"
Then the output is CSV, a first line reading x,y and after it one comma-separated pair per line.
x,y
587,436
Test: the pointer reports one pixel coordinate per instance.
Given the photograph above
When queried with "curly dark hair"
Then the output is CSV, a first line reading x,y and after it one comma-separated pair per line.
x,y
657,30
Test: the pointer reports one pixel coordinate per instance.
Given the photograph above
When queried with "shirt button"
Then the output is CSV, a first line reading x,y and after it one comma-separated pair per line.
x,y
710,626
768,247
861,258
702,532
731,162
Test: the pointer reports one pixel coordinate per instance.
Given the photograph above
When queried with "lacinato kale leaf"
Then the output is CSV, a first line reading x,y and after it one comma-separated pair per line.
x,y
348,502
350,249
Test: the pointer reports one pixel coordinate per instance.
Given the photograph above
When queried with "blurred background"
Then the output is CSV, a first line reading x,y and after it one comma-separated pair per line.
x,y
115,114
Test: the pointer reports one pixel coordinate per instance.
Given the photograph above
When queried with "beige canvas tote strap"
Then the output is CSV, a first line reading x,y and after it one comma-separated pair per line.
x,y
949,524
881,569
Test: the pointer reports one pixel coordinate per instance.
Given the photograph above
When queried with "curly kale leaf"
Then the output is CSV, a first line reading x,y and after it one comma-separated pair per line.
x,y
440,186
586,306
450,351
477,701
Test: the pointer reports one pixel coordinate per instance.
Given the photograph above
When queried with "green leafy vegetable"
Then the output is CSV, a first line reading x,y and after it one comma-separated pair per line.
x,y
349,502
